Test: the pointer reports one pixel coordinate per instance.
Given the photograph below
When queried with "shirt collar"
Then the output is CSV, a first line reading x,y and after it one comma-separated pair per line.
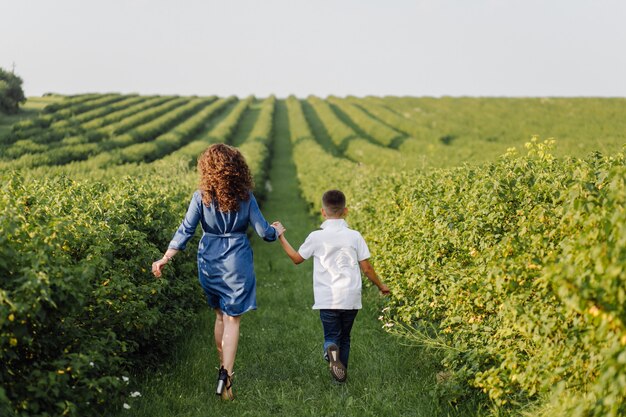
x,y
334,224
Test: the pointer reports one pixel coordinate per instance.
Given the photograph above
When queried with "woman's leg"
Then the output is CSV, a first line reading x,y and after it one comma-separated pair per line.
x,y
227,340
230,340
219,333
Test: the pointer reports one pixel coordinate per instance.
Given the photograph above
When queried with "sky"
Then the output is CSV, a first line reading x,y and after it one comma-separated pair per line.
x,y
322,47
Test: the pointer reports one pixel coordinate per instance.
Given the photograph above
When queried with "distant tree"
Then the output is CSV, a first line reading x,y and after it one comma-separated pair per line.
x,y
11,93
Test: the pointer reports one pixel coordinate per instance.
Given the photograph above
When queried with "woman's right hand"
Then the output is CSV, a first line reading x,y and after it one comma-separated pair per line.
x,y
158,266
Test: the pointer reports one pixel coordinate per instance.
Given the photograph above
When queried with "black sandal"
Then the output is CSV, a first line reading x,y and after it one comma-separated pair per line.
x,y
224,384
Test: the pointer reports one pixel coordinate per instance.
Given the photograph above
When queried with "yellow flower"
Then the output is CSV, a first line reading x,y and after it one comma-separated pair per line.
x,y
11,317
13,341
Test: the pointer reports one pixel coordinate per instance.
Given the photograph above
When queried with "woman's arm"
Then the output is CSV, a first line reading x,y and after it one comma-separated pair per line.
x,y
187,228
157,266
258,222
185,232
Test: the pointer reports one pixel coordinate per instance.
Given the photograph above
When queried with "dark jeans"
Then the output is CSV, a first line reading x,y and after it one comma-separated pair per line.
x,y
337,325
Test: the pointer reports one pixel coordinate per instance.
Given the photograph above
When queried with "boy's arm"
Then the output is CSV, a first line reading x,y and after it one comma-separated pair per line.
x,y
369,272
289,250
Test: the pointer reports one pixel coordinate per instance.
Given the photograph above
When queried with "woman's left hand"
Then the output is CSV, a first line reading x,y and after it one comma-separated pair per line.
x,y
158,266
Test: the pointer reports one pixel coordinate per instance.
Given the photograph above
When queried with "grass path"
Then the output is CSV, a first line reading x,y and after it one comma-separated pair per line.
x,y
279,369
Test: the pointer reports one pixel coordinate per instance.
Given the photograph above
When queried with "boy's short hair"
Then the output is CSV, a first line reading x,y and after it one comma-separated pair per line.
x,y
334,201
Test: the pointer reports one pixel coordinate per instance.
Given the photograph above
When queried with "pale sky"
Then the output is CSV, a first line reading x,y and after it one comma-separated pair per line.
x,y
321,47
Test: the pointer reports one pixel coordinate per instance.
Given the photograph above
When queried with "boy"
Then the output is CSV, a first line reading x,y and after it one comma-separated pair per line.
x,y
338,254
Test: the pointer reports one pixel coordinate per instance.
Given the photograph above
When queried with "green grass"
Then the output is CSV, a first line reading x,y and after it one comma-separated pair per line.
x,y
279,369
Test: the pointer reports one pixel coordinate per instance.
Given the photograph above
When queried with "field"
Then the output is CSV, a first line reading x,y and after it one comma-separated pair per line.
x,y
498,223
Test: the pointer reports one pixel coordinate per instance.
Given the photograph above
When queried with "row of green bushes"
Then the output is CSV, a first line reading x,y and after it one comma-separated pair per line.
x,y
220,132
165,143
79,306
76,152
337,130
85,107
184,157
126,123
69,101
101,128
256,148
100,109
223,131
372,127
514,271
317,169
47,138
392,118
44,121
345,141
36,128
69,131
124,113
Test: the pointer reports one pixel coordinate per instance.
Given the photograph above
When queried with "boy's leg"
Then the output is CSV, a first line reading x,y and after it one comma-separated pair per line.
x,y
331,323
332,328
346,320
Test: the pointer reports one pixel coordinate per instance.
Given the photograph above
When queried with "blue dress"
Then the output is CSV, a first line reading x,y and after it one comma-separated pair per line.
x,y
225,267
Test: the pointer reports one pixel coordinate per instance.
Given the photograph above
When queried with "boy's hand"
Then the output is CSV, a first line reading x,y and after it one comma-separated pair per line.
x,y
280,229
384,289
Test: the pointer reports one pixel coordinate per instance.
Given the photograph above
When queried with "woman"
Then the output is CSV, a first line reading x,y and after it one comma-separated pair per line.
x,y
224,206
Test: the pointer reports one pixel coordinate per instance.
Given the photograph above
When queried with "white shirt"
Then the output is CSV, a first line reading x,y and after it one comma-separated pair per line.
x,y
337,251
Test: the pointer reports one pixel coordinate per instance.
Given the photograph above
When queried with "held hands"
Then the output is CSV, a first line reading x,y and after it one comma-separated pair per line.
x,y
280,229
289,250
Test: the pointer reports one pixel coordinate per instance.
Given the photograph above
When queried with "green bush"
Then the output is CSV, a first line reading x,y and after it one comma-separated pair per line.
x,y
514,271
78,303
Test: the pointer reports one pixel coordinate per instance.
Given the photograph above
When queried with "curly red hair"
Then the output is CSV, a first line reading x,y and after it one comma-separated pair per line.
x,y
224,177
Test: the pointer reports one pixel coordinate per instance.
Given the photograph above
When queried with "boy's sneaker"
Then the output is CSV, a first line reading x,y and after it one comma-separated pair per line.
x,y
337,370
